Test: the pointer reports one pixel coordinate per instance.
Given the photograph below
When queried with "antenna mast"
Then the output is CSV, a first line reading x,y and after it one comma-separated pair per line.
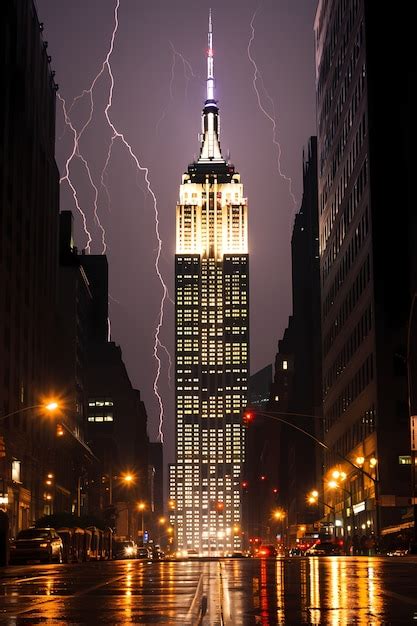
x,y
210,68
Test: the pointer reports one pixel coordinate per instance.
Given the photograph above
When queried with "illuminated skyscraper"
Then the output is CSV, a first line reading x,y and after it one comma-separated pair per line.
x,y
212,344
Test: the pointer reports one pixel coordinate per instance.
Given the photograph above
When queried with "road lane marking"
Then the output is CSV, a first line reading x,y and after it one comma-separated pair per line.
x,y
198,592
83,592
398,596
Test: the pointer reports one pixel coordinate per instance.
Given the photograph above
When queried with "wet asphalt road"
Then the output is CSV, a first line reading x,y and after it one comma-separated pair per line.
x,y
328,590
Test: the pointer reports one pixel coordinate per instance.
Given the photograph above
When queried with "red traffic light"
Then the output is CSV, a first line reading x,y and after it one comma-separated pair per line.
x,y
247,418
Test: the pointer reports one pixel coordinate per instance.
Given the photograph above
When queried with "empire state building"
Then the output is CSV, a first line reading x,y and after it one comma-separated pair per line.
x,y
212,344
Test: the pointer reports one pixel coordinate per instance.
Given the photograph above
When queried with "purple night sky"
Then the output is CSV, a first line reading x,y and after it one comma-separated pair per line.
x,y
161,120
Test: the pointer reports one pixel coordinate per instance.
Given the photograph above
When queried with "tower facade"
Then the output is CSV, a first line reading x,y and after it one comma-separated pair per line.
x,y
366,307
212,344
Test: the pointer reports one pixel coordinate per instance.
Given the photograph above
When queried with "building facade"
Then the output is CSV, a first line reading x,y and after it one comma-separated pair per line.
x,y
364,260
303,457
212,344
29,205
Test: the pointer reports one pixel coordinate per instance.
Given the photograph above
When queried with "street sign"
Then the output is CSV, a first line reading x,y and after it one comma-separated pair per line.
x,y
413,428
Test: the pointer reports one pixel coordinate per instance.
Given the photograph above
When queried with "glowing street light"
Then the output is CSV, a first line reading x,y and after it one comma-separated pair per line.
x,y
128,478
50,406
279,514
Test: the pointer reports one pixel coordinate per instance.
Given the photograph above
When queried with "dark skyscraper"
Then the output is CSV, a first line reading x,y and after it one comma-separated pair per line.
x,y
297,384
365,268
29,193
212,344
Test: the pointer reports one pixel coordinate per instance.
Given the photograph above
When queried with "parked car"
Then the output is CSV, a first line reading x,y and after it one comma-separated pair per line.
x,y
268,551
125,550
157,554
144,553
398,552
37,544
323,548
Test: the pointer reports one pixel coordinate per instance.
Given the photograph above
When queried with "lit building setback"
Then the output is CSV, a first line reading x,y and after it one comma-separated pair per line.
x,y
212,344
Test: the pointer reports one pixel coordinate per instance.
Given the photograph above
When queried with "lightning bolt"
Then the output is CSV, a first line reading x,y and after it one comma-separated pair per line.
x,y
117,135
76,153
272,118
67,177
188,75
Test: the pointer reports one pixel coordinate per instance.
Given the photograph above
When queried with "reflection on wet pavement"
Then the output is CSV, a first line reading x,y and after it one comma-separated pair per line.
x,y
329,590
230,592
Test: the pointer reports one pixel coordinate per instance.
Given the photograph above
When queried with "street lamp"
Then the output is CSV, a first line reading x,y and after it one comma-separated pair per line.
x,y
161,523
373,463
50,407
279,515
334,484
141,508
313,499
128,478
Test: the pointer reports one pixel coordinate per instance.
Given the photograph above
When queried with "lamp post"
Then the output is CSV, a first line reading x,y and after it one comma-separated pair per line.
x,y
128,478
141,508
50,407
413,422
248,418
334,484
280,515
161,523
313,499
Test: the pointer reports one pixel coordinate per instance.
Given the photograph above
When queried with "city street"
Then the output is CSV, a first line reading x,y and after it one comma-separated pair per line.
x,y
338,590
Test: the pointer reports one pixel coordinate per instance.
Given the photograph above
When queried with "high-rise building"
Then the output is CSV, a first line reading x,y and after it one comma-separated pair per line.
x,y
212,343
29,205
365,125
297,381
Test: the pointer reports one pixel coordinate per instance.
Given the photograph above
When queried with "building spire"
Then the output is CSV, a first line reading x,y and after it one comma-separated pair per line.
x,y
210,66
210,146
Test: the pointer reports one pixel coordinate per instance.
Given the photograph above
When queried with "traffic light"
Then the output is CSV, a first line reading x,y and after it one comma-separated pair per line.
x,y
247,418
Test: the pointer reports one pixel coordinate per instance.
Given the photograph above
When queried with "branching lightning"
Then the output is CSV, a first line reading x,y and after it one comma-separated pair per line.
x,y
76,153
188,75
116,134
272,118
144,171
67,177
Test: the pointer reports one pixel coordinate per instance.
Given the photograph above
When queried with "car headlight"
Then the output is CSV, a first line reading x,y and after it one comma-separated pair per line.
x,y
43,545
129,550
